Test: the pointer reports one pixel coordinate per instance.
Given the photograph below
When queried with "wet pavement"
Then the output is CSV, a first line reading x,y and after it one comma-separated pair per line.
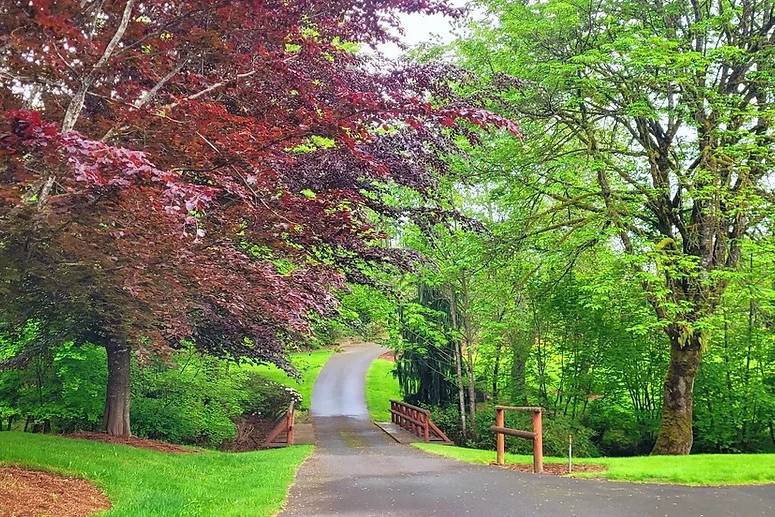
x,y
358,470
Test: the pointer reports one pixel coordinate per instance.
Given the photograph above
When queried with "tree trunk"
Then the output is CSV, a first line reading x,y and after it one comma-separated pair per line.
x,y
469,336
496,370
458,363
460,389
675,430
471,392
518,388
116,417
520,352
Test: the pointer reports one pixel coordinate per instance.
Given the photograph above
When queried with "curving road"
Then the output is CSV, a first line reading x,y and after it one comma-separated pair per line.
x,y
357,470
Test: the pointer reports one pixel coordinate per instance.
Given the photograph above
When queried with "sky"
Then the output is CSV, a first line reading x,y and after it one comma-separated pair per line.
x,y
421,28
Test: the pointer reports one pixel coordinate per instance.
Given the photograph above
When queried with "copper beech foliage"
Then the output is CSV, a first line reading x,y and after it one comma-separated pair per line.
x,y
198,169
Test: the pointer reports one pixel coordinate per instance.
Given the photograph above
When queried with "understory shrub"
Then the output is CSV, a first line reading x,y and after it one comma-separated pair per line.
x,y
62,390
190,398
557,428
193,401
266,398
620,432
197,399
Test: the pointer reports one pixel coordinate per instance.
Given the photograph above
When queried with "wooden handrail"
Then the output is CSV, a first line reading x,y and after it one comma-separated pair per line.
x,y
416,408
291,421
285,424
513,432
416,420
524,409
438,432
410,419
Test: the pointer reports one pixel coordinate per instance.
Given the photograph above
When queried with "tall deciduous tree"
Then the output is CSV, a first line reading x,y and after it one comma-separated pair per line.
x,y
200,169
660,123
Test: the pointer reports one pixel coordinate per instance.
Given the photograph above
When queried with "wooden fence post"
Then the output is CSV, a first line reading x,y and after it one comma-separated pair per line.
x,y
538,443
500,438
536,435
291,422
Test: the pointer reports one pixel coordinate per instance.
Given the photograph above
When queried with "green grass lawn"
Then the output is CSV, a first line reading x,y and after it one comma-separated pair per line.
x,y
309,365
696,469
381,386
150,483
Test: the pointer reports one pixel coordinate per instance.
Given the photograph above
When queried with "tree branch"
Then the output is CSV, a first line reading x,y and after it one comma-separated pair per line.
x,y
76,103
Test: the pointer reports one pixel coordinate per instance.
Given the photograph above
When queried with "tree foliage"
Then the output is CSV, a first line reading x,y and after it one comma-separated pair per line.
x,y
656,129
202,170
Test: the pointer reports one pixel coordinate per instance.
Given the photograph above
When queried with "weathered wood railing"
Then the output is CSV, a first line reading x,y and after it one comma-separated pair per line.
x,y
536,435
282,433
417,421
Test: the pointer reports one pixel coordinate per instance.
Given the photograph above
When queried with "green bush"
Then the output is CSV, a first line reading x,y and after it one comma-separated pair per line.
x,y
197,399
447,418
266,398
619,432
192,401
61,390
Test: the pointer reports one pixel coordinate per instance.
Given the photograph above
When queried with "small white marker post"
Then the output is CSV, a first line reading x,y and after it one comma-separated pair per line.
x,y
570,453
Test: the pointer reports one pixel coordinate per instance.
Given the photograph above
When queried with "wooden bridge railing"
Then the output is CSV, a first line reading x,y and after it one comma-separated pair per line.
x,y
536,435
282,433
416,420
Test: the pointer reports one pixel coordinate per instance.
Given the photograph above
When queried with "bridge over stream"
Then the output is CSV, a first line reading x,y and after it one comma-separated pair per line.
x,y
358,470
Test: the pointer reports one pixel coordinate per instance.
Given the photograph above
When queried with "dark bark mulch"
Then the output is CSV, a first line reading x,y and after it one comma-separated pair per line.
x,y
32,493
142,443
554,469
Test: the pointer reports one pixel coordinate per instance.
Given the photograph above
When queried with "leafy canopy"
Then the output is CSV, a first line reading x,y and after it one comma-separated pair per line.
x,y
197,169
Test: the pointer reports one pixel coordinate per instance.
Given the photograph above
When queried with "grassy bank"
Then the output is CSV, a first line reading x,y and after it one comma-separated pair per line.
x,y
696,469
150,483
381,386
308,364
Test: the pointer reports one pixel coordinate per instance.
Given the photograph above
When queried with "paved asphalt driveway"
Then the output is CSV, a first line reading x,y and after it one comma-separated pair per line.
x,y
358,470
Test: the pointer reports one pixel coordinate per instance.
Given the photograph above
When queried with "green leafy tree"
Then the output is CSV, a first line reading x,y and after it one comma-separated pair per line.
x,y
657,133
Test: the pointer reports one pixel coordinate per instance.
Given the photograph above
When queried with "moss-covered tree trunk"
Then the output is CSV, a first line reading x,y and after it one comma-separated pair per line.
x,y
116,417
675,430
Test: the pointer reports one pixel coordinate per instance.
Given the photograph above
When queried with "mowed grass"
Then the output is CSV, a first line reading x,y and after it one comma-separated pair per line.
x,y
142,482
381,387
308,364
695,469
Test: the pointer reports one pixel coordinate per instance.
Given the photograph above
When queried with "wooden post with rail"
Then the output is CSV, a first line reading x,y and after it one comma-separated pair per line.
x,y
536,435
500,438
538,442
291,423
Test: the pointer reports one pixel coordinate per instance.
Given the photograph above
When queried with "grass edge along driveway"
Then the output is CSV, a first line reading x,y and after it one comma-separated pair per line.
x,y
381,387
150,483
308,364
695,469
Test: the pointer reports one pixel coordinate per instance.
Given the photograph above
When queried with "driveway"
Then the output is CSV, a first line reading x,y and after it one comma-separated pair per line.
x,y
357,470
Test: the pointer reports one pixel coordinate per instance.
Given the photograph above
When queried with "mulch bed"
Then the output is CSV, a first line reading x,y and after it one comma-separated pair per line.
x,y
555,469
142,443
32,493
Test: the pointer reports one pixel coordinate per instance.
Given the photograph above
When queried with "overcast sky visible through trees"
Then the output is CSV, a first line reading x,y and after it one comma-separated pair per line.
x,y
421,29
